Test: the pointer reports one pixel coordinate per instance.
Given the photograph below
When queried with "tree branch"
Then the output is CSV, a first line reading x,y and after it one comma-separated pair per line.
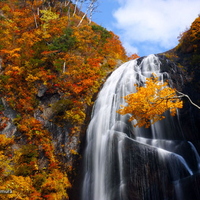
x,y
184,95
36,26
84,15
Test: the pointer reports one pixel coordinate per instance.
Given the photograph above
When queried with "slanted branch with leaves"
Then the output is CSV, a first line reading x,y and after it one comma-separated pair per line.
x,y
149,103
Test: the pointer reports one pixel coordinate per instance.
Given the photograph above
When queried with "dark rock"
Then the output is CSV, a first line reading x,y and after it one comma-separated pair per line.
x,y
148,172
41,90
10,128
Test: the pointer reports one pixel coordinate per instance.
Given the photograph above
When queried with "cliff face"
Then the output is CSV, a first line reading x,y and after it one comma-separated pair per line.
x,y
186,57
184,82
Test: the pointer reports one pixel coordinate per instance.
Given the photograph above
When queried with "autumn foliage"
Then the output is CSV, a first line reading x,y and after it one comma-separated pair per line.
x,y
148,104
42,46
189,40
56,54
188,51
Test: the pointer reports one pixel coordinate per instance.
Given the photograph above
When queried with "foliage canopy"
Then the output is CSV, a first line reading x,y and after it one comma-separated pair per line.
x,y
41,47
149,103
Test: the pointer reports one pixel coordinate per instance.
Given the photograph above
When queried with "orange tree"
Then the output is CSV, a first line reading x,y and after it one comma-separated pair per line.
x,y
149,103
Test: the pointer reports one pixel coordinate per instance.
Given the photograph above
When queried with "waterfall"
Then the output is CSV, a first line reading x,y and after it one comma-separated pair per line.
x,y
125,163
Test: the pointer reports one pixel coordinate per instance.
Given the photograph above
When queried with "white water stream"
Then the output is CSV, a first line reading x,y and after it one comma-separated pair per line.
x,y
107,131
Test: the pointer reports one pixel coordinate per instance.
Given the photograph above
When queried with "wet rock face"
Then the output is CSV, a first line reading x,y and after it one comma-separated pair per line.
x,y
146,165
176,74
189,118
145,181
189,115
178,77
149,173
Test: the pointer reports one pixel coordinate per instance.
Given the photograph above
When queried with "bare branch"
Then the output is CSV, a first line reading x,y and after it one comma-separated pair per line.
x,y
75,8
84,15
93,7
80,7
184,95
68,13
34,17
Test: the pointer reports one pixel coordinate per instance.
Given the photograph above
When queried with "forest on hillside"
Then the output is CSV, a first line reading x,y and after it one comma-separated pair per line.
x,y
53,61
47,49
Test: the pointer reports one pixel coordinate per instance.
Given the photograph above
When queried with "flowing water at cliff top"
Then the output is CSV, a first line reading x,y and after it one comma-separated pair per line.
x,y
123,162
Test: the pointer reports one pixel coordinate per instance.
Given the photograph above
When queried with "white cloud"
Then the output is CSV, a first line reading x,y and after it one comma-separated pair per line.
x,y
129,48
154,21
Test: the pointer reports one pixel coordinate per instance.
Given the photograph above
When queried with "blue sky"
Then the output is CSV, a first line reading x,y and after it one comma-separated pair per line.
x,y
147,26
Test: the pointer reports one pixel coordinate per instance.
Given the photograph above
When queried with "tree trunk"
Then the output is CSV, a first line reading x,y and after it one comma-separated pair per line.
x,y
84,15
75,8
68,13
36,26
91,11
80,7
64,67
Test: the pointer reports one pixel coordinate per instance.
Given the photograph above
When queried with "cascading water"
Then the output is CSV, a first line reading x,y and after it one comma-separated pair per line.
x,y
115,147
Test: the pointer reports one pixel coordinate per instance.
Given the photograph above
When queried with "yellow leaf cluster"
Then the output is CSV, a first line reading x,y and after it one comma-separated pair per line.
x,y
149,103
56,185
47,16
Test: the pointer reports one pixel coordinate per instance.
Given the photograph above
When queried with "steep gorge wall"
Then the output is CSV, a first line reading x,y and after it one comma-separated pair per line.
x,y
68,145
